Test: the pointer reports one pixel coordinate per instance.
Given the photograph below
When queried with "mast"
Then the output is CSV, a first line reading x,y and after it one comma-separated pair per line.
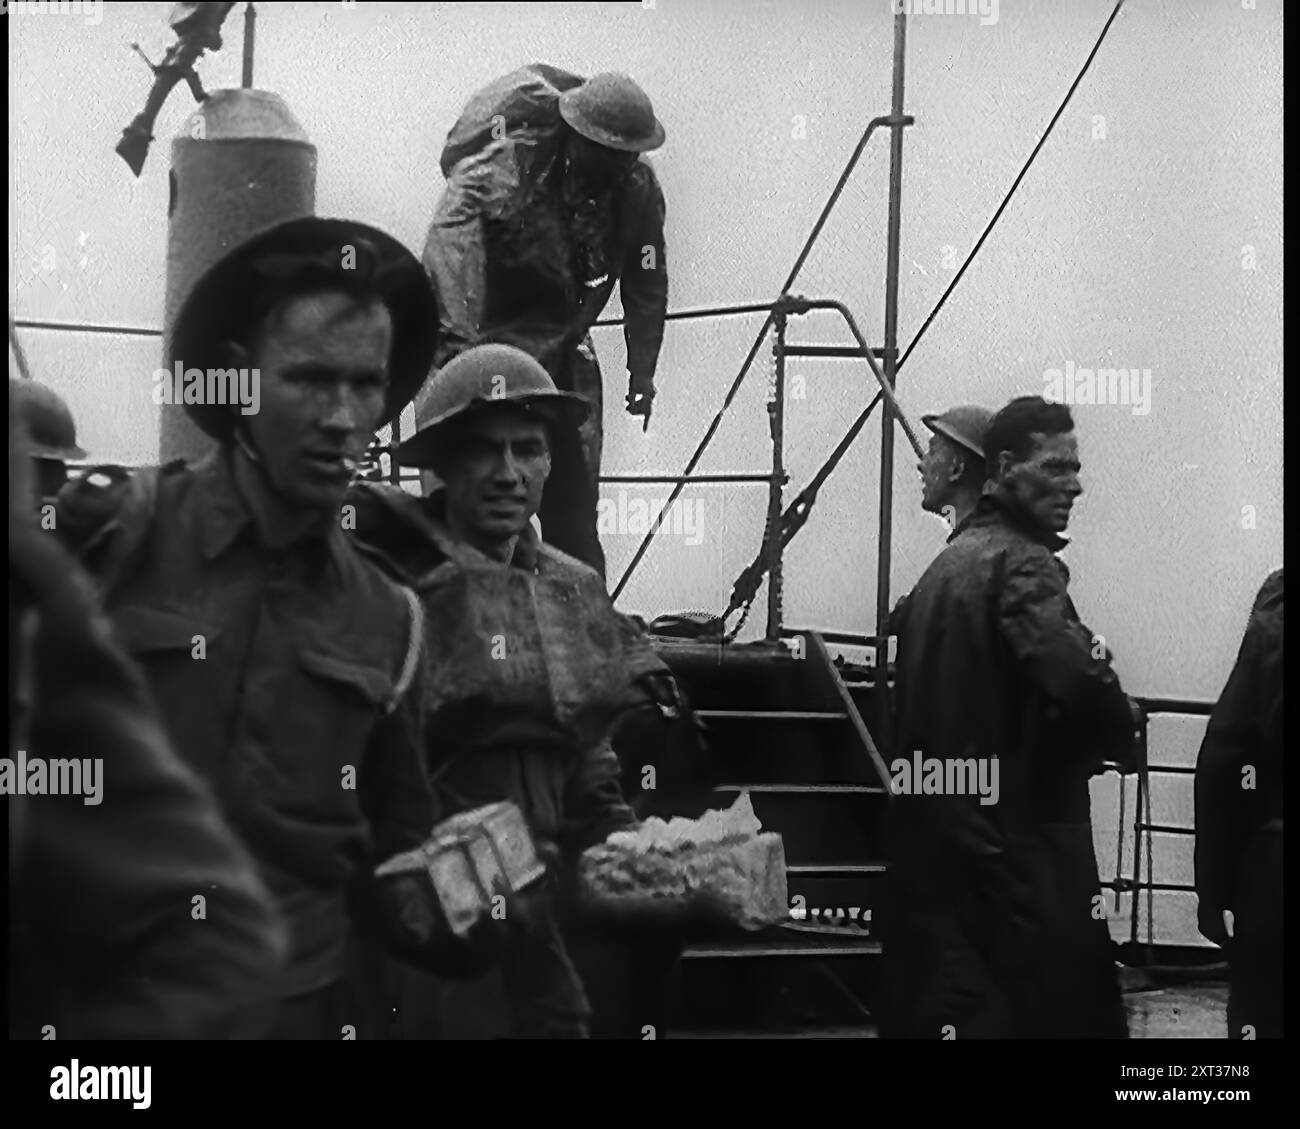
x,y
891,368
250,38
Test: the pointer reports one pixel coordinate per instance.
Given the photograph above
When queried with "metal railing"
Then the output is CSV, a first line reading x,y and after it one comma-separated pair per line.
x,y
778,315
778,312
1143,825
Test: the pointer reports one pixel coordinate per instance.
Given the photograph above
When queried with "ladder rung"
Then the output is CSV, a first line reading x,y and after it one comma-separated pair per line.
x,y
843,351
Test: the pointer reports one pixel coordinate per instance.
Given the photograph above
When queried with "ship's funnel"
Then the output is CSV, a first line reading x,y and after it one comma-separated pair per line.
x,y
241,164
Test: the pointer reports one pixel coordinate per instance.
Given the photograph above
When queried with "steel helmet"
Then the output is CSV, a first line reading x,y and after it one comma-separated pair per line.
x,y
479,378
966,426
217,307
612,110
51,429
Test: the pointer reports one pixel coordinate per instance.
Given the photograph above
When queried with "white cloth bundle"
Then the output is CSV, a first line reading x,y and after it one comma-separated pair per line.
x,y
722,863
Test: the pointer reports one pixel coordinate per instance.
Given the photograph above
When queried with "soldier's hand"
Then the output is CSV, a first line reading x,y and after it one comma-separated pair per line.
x,y
407,901
640,396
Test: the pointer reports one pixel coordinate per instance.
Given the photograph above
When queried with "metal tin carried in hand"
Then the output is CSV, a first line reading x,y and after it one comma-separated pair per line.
x,y
469,858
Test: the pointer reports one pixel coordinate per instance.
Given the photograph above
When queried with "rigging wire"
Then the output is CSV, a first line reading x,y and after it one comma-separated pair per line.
x,y
796,516
753,349
1015,184
862,419
858,424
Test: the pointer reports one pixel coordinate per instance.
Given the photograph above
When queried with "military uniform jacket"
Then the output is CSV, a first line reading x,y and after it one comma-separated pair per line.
x,y
513,259
102,936
282,680
1245,730
529,668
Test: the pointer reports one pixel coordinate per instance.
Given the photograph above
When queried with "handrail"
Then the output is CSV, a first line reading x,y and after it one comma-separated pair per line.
x,y
827,665
87,327
802,257
896,121
1144,824
705,312
867,355
1143,827
714,478
780,526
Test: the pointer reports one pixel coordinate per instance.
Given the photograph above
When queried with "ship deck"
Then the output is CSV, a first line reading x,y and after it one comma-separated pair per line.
x,y
1183,1011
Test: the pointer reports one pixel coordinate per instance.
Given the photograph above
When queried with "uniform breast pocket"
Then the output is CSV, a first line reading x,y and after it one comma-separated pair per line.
x,y
320,735
179,653
164,632
173,647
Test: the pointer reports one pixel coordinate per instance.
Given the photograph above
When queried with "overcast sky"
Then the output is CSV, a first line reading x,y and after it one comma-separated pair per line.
x,y
1148,235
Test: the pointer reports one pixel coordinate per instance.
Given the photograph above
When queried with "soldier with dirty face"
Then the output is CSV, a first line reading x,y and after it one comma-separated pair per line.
x,y
530,669
281,658
988,926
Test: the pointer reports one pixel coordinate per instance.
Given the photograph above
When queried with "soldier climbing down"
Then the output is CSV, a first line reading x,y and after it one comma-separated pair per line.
x,y
549,203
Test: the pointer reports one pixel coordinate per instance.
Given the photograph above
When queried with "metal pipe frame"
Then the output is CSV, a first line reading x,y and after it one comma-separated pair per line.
x,y
87,327
884,541
895,122
250,38
685,478
866,353
772,529
827,208
1143,825
703,312
1142,828
779,313
833,352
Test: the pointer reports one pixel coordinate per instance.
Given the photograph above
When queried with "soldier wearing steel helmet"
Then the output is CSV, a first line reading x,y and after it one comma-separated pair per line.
x,y
281,658
952,469
987,916
530,668
101,942
952,473
550,202
51,431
